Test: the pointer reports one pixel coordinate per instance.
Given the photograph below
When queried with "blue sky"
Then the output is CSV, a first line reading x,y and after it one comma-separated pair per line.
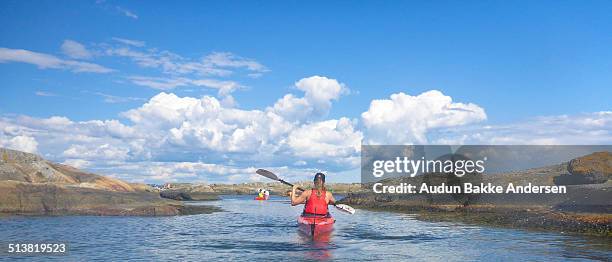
x,y
526,64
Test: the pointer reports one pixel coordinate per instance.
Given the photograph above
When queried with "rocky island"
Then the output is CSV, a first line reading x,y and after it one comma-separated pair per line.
x,y
586,207
31,185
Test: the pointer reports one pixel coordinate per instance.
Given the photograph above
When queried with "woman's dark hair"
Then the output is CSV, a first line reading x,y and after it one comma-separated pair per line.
x,y
319,175
322,177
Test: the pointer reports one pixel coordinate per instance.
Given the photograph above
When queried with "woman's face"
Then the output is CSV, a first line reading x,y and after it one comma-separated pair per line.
x,y
318,182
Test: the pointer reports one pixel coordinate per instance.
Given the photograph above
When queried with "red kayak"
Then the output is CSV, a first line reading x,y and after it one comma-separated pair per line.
x,y
260,198
315,225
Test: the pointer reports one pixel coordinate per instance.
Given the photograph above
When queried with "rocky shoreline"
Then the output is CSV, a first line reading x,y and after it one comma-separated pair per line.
x,y
585,208
53,200
32,186
533,218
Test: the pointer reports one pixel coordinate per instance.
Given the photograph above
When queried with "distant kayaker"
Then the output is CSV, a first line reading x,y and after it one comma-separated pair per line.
x,y
260,193
316,199
266,194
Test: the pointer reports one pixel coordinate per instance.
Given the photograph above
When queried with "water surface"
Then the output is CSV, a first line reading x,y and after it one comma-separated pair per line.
x,y
258,230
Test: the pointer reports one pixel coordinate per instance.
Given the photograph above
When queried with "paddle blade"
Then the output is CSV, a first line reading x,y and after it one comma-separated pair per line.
x,y
345,208
267,174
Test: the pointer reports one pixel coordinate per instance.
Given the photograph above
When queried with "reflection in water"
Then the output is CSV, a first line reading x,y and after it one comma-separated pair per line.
x,y
267,230
319,246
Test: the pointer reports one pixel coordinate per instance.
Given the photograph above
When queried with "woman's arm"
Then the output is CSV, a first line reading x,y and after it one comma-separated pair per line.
x,y
296,200
330,199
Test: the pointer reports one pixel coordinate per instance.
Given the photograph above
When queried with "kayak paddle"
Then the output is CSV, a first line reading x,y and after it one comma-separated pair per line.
x,y
270,175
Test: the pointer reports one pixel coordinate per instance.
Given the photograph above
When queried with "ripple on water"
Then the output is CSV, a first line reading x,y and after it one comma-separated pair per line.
x,y
266,230
364,234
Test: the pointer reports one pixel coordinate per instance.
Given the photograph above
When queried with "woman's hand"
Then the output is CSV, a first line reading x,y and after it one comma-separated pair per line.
x,y
295,199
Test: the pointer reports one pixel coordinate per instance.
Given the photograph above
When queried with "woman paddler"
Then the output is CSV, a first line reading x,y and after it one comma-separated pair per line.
x,y
316,199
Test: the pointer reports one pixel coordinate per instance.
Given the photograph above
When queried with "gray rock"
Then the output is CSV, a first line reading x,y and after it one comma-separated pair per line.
x,y
175,195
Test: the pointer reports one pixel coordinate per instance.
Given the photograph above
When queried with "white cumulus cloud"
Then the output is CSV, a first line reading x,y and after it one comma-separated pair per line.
x,y
319,92
94,152
182,138
335,140
406,119
21,143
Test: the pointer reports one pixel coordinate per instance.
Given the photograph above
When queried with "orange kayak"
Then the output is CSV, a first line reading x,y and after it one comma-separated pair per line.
x,y
260,198
315,225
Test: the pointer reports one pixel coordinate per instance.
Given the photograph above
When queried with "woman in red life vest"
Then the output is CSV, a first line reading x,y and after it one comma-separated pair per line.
x,y
316,199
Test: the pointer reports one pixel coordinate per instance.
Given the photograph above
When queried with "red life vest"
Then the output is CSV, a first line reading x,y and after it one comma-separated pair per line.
x,y
316,204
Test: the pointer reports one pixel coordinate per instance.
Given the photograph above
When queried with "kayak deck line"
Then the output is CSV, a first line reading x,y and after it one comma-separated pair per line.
x,y
315,225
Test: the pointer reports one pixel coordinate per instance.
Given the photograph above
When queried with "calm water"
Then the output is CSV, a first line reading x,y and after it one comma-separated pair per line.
x,y
257,230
